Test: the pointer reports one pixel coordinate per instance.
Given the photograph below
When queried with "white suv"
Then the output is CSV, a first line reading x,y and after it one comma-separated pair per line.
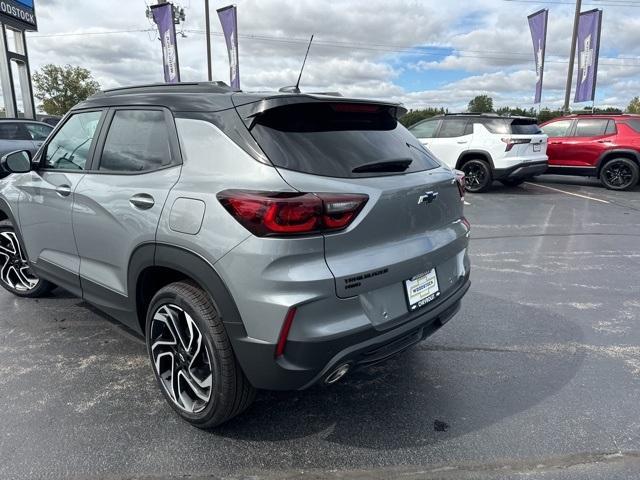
x,y
486,147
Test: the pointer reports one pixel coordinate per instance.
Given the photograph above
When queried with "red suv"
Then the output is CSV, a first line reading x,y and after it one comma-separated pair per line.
x,y
605,146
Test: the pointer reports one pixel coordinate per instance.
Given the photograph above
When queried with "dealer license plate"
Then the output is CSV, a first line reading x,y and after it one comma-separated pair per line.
x,y
422,289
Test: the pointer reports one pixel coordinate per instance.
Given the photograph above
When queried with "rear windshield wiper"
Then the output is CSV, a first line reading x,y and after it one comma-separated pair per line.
x,y
399,165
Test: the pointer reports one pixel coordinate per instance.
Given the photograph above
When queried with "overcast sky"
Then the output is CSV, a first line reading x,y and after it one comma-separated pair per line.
x,y
422,53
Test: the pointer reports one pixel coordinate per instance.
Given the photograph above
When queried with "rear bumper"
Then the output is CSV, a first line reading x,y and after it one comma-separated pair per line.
x,y
521,170
306,363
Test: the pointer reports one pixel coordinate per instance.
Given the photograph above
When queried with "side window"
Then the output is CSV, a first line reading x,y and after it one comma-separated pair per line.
x,y
13,131
425,129
634,124
557,129
453,127
38,132
591,127
138,141
611,128
495,125
69,148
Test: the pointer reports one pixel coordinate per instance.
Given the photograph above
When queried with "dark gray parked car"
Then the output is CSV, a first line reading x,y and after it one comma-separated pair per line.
x,y
19,134
257,240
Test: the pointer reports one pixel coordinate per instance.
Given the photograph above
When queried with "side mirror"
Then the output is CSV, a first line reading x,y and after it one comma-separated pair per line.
x,y
16,162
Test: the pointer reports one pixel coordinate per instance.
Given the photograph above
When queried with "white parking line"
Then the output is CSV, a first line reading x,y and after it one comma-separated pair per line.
x,y
568,193
466,203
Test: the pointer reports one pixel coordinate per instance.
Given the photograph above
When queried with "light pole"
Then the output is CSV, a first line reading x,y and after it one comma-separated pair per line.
x,y
208,38
574,39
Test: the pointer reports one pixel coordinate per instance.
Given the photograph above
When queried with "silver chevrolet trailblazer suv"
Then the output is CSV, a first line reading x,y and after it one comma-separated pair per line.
x,y
257,241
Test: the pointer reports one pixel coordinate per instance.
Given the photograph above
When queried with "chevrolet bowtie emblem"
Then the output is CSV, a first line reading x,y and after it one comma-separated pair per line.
x,y
427,197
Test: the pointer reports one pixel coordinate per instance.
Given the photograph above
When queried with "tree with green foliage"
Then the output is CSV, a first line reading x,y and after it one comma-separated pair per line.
x,y
61,87
516,112
545,115
481,104
414,116
634,105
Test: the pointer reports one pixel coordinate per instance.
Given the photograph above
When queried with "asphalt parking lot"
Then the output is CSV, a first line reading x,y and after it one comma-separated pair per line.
x,y
538,376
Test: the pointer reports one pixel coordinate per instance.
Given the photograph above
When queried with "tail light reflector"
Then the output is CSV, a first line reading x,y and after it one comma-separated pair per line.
x,y
460,183
282,213
514,141
284,332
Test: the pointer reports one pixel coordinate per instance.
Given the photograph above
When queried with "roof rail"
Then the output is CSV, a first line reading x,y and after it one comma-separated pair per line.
x,y
218,87
599,113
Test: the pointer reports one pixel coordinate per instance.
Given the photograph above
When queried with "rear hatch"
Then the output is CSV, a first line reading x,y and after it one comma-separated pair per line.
x,y
412,221
527,139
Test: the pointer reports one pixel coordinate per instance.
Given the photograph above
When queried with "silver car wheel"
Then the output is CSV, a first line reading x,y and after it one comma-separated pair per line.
x,y
181,358
14,268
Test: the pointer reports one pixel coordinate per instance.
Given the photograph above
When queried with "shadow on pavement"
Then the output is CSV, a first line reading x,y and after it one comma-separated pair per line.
x,y
432,392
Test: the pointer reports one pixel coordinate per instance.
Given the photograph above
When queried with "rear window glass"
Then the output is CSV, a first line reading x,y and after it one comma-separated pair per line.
x,y
515,126
333,140
635,124
525,127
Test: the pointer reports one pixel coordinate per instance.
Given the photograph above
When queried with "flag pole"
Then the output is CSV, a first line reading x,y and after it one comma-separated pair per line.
x,y
574,39
208,35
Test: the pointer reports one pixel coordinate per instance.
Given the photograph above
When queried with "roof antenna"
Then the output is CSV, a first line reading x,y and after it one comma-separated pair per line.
x,y
296,87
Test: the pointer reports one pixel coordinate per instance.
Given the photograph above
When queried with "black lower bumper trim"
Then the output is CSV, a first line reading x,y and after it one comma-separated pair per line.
x,y
306,363
521,170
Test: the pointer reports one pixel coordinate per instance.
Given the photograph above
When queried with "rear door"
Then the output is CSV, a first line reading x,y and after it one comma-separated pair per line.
x,y
591,138
119,201
559,133
412,222
452,139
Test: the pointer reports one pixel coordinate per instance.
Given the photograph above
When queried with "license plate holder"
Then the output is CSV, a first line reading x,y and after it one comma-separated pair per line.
x,y
421,289
537,147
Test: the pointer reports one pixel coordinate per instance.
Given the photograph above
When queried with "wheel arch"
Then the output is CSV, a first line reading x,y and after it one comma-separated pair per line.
x,y
474,154
611,154
154,266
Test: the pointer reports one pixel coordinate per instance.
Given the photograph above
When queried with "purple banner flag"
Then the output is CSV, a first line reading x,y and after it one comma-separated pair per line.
x,y
588,52
538,27
163,17
229,20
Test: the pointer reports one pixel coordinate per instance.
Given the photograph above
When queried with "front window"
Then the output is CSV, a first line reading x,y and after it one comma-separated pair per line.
x,y
425,129
69,148
557,129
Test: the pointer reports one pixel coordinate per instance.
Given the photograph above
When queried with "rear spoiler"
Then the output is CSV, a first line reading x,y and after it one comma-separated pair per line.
x,y
249,111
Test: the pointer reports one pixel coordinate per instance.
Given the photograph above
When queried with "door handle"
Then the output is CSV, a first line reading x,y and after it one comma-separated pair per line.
x,y
142,201
556,143
604,141
464,141
63,190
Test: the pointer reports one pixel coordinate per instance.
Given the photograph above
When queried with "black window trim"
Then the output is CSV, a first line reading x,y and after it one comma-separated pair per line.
x,y
172,132
41,154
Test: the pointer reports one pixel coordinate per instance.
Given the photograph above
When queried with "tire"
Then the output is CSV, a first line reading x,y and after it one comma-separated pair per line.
x,y
513,182
15,274
619,174
478,177
183,310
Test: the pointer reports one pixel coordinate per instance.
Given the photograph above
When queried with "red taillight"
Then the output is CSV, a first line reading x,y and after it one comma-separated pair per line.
x,y
460,182
284,331
280,214
514,141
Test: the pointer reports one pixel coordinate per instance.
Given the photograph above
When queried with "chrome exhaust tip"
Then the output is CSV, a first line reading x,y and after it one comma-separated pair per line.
x,y
337,374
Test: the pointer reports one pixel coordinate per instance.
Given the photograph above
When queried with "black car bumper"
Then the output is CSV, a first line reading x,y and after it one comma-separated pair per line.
x,y
306,363
522,170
